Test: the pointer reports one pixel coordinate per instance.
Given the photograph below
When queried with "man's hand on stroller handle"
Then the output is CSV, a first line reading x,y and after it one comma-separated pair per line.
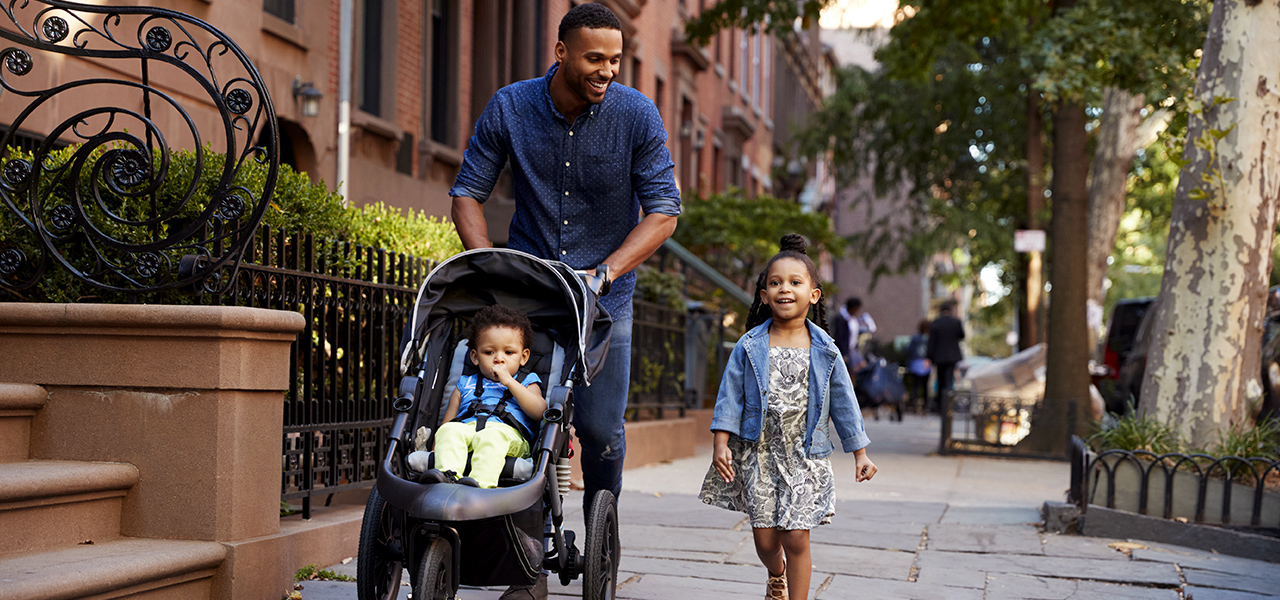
x,y
597,279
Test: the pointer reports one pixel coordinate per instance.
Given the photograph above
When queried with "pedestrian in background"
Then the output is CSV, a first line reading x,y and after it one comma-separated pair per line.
x,y
945,333
851,322
918,366
771,433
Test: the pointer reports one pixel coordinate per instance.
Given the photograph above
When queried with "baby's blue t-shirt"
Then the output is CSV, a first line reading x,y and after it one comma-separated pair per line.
x,y
492,393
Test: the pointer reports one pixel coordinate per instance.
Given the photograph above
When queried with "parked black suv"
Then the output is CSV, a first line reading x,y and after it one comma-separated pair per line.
x,y
1117,347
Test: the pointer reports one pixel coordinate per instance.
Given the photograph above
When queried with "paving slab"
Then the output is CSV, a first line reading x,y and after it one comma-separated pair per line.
x,y
1259,584
869,534
891,511
1000,539
1120,570
654,537
848,587
1208,561
1022,587
1075,546
674,510
666,587
991,515
1199,593
952,577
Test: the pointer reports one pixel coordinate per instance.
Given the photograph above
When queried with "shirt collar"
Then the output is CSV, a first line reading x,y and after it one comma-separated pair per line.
x,y
546,93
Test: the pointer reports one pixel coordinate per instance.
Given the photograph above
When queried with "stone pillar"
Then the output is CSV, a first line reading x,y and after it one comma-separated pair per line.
x,y
191,395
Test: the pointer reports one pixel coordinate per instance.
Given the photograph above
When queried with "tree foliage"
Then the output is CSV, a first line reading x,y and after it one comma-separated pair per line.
x,y
771,15
943,121
737,235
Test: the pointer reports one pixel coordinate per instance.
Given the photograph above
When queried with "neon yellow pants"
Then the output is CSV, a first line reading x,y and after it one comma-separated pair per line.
x,y
489,449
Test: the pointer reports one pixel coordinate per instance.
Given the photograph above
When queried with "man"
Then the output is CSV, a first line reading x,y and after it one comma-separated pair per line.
x,y
851,322
587,157
945,334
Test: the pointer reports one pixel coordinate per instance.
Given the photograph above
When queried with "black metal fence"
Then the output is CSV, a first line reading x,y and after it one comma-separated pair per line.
x,y
658,372
985,424
1216,490
356,302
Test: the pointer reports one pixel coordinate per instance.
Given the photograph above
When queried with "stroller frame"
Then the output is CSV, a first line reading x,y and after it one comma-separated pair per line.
x,y
423,526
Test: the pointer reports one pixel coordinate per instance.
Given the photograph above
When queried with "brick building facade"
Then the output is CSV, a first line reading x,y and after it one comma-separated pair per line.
x,y
423,71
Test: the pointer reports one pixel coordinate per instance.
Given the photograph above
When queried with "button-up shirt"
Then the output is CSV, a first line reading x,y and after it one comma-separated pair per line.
x,y
579,187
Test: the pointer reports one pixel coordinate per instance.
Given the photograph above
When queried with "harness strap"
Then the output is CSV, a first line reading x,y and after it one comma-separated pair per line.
x,y
482,412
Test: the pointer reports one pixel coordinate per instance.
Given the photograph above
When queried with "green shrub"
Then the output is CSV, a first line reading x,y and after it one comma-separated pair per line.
x,y
1137,432
659,287
1260,441
297,206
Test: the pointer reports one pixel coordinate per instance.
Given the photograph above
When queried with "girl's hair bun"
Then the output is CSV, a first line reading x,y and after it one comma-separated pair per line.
x,y
794,242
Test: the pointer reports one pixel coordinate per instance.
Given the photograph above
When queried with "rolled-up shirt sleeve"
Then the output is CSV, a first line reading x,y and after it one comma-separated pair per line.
x,y
652,171
485,156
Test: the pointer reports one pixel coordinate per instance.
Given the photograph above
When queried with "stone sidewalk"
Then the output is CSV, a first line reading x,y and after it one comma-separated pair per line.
x,y
927,527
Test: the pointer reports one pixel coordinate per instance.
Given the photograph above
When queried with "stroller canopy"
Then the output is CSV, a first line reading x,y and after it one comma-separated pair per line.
x,y
550,293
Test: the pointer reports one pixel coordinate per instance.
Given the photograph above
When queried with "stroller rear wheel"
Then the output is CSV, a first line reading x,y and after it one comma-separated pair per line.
x,y
435,579
380,562
603,550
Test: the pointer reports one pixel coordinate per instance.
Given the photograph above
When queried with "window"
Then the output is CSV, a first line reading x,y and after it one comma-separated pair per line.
x,y
755,69
439,61
658,90
369,46
743,62
280,8
766,83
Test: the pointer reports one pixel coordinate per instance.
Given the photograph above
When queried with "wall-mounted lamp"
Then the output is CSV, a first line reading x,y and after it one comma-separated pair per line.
x,y
309,97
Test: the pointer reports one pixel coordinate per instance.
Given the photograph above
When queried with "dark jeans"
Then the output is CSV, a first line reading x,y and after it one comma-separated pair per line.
x,y
946,381
919,388
598,417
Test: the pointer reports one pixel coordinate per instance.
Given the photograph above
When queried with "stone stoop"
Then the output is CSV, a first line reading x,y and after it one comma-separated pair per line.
x,y
60,525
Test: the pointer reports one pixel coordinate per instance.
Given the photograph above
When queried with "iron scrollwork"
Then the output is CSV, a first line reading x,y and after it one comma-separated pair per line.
x,y
140,199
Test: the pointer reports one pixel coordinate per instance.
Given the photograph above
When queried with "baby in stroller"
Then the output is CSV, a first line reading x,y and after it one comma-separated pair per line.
x,y
488,412
443,532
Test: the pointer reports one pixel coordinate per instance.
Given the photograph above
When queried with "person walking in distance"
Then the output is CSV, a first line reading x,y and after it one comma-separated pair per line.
x,y
851,322
945,333
784,382
588,155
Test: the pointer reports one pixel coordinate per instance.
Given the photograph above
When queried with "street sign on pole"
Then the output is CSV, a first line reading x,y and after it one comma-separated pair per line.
x,y
1028,240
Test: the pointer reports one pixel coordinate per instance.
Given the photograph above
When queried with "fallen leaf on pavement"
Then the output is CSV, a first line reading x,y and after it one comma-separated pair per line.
x,y
1127,547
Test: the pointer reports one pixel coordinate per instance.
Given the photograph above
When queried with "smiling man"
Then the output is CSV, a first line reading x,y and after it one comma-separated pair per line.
x,y
588,158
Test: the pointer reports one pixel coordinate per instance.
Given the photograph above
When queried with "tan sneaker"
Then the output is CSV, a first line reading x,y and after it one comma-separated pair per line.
x,y
776,587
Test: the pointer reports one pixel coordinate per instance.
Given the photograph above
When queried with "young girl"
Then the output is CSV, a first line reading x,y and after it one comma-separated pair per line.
x,y
784,381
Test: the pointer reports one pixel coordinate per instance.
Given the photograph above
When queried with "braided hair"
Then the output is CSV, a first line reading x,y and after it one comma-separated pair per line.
x,y
793,246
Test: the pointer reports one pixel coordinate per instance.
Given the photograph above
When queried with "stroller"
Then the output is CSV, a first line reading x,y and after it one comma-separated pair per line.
x,y
880,384
448,534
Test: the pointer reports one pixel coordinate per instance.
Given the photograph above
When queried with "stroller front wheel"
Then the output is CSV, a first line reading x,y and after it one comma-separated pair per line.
x,y
603,550
378,568
435,579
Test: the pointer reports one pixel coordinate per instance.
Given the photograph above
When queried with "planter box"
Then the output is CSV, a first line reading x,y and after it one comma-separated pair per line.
x,y
1195,492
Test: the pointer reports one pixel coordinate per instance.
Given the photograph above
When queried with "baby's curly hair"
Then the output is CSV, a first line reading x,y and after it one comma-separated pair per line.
x,y
500,315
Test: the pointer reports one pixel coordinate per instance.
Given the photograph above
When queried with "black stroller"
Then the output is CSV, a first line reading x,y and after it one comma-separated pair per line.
x,y
448,534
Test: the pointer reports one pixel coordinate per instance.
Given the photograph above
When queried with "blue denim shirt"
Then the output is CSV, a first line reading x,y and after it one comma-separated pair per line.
x,y
741,405
579,188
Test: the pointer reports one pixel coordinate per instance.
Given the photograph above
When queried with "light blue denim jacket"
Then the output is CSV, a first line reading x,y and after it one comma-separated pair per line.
x,y
741,405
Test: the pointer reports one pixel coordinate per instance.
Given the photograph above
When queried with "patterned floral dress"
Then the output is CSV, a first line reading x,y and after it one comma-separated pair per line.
x,y
775,482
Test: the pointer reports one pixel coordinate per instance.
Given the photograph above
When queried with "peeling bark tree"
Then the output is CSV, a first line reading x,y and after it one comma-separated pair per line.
x,y
1203,369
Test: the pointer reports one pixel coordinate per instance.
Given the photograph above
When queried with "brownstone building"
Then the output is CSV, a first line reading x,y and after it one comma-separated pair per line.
x,y
423,70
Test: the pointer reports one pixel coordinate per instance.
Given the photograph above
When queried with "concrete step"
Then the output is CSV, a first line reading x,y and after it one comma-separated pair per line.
x,y
45,504
132,567
19,402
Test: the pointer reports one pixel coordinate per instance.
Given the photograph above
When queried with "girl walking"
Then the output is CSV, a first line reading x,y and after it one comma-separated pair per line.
x,y
784,381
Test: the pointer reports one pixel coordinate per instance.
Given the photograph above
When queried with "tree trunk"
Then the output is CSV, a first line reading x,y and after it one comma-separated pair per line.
x,y
1030,332
1203,367
1064,410
1112,159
